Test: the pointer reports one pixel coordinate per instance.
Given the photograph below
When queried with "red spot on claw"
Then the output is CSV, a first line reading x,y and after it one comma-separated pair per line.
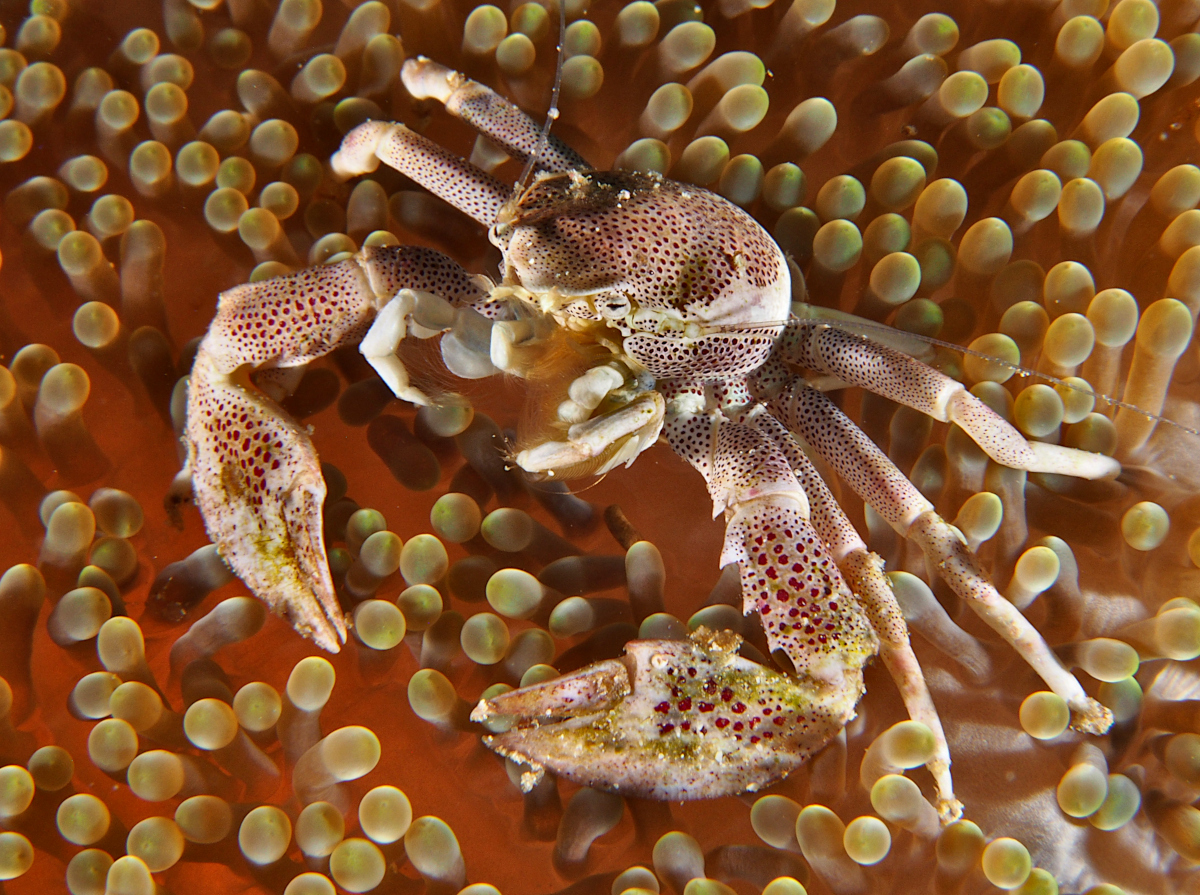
x,y
663,707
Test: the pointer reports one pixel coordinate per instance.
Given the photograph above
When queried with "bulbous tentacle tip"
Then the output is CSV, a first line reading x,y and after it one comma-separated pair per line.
x,y
179,493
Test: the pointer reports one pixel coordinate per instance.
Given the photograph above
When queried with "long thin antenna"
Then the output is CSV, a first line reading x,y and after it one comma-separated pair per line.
x,y
552,113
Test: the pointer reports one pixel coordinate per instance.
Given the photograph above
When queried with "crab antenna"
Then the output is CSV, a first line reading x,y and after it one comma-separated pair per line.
x,y
552,112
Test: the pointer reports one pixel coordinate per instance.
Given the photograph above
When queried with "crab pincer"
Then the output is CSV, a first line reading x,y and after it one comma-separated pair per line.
x,y
671,720
256,475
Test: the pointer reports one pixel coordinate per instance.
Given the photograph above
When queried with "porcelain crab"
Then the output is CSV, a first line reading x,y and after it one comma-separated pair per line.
x,y
674,309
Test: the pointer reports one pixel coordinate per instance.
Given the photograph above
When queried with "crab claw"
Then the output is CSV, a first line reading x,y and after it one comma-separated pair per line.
x,y
256,474
258,484
672,720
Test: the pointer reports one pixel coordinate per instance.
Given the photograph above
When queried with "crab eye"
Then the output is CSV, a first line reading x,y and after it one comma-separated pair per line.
x,y
613,307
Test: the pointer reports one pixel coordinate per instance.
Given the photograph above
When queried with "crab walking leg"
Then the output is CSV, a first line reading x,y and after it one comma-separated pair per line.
x,y
490,114
455,180
893,374
863,571
865,468
256,476
788,576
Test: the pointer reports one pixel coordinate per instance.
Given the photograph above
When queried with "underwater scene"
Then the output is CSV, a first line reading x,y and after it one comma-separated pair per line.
x,y
693,447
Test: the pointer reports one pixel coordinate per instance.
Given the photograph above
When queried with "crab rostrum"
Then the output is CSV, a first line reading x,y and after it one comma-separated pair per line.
x,y
673,309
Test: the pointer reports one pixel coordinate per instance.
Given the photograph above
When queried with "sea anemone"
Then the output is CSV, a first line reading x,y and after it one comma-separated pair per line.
x,y
1011,178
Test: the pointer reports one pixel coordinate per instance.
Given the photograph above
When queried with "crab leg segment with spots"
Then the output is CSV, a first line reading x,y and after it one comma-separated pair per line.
x,y
666,309
788,576
888,372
